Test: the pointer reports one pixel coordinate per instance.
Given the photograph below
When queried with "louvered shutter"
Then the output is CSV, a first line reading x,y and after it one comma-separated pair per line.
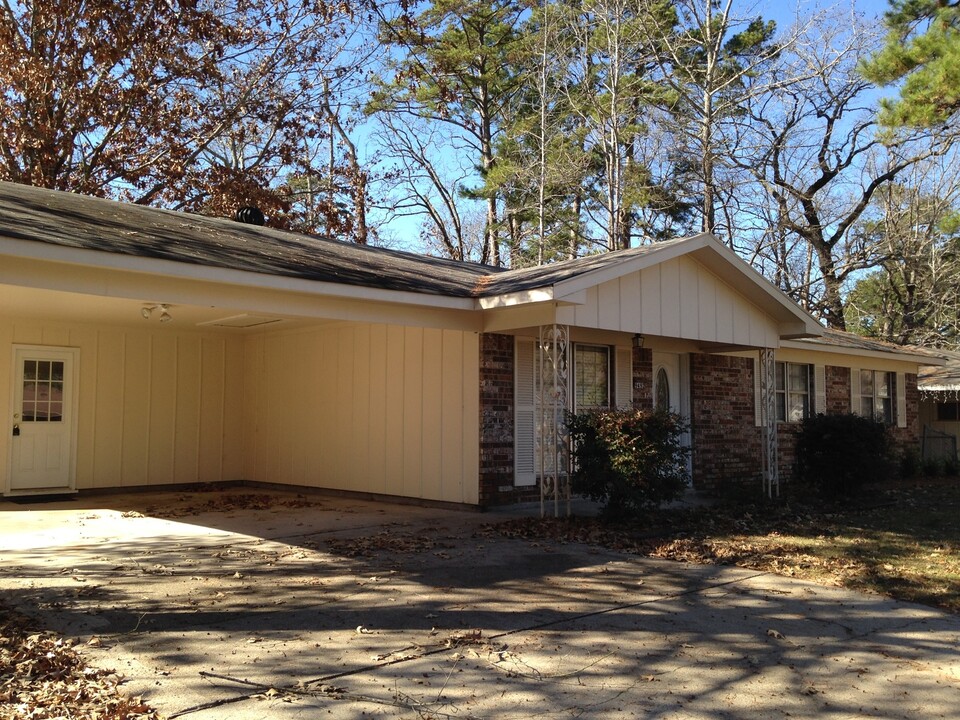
x,y
819,390
901,388
757,393
855,391
524,416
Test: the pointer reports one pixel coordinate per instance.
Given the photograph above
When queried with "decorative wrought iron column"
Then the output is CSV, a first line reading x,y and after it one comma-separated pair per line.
x,y
550,399
768,421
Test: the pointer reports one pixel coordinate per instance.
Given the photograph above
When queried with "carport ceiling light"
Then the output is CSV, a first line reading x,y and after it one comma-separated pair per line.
x,y
242,321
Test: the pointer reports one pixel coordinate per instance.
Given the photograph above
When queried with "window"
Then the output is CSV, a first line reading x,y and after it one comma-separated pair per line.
x,y
42,391
591,365
876,395
794,388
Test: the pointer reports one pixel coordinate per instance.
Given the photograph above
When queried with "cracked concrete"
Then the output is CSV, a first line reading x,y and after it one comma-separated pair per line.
x,y
237,605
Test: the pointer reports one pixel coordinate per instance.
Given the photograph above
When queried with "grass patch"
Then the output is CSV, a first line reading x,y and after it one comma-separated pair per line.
x,y
902,540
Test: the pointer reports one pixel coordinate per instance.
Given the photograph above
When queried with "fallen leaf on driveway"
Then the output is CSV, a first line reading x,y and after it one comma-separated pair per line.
x,y
774,634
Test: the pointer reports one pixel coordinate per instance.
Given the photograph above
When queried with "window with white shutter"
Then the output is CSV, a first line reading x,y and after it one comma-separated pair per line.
x,y
524,418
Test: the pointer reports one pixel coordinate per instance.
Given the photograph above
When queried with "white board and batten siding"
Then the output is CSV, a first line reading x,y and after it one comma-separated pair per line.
x,y
679,298
365,407
154,407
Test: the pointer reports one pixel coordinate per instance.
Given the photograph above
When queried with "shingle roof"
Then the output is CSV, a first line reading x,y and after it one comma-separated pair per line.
x,y
78,221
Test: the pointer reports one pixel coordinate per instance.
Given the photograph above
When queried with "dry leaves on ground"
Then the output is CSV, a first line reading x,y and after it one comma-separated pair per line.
x,y
42,677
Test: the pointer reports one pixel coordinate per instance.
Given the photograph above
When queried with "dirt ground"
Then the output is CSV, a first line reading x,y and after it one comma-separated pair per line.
x,y
250,605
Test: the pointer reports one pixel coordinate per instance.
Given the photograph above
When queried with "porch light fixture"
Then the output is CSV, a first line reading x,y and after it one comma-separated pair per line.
x,y
146,312
637,340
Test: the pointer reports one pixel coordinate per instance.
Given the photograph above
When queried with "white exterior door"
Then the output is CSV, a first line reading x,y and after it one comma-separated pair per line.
x,y
671,388
43,420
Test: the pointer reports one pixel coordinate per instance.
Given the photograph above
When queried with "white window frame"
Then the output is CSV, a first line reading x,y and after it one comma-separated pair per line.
x,y
783,393
611,383
891,398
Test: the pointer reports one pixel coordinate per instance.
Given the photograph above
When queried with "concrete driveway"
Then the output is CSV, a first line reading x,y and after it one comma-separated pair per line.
x,y
240,604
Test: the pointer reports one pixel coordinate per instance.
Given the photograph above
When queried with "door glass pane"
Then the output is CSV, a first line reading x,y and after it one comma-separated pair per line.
x,y
663,390
43,370
57,372
56,412
29,369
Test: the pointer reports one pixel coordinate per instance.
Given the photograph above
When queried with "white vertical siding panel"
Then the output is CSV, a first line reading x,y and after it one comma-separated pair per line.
x,y
650,300
689,298
234,404
27,333
707,315
433,428
163,406
6,371
608,305
136,409
725,312
252,405
630,307
588,314
452,420
360,436
471,418
379,362
296,446
186,461
55,335
327,406
741,323
396,356
412,412
343,409
86,339
109,413
670,298
211,403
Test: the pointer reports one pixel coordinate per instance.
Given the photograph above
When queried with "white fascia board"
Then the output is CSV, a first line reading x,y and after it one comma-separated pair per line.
x,y
913,358
187,271
524,297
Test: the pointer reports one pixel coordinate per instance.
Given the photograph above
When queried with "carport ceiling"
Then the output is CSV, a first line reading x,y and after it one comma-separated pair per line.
x,y
74,307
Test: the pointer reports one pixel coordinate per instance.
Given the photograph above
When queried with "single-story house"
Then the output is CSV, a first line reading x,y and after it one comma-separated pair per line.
x,y
150,348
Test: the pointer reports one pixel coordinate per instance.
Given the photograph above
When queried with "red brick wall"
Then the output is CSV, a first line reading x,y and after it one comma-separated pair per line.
x,y
837,390
724,436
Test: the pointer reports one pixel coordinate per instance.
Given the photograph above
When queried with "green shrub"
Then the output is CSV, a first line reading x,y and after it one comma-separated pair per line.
x,y
910,465
951,467
838,454
629,460
932,467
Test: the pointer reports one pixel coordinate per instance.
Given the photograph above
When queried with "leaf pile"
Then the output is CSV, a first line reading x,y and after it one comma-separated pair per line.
x,y
387,541
42,676
227,503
